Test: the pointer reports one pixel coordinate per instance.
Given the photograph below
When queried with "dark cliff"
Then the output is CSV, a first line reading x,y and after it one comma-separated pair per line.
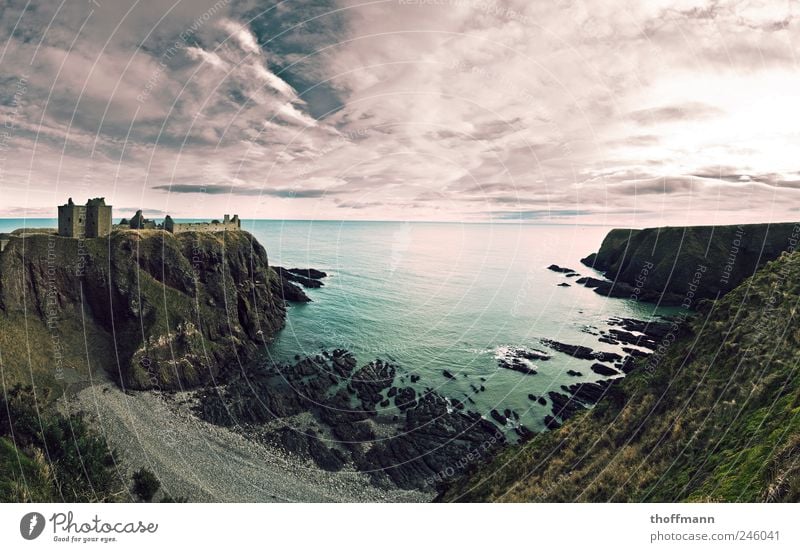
x,y
715,418
155,310
670,263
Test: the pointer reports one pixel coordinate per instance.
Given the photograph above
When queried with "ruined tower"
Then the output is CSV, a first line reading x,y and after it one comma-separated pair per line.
x,y
92,220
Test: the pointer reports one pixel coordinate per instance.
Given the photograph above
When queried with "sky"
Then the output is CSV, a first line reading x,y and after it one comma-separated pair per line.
x,y
569,112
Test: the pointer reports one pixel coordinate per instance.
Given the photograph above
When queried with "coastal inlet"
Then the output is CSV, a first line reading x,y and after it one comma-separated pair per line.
x,y
468,311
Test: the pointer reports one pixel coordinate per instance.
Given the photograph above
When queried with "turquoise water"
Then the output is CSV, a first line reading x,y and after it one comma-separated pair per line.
x,y
435,297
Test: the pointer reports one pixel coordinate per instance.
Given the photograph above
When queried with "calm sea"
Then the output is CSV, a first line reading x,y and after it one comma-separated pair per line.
x,y
442,296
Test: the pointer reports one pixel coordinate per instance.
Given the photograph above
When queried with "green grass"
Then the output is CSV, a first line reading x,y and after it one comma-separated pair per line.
x,y
22,478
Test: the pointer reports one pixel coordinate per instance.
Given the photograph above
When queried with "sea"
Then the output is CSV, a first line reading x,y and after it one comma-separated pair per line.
x,y
436,297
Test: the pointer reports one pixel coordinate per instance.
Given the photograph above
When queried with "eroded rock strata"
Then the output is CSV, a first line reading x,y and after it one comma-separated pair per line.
x,y
327,409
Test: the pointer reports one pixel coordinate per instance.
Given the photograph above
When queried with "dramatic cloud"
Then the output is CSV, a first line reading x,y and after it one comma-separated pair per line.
x,y
604,112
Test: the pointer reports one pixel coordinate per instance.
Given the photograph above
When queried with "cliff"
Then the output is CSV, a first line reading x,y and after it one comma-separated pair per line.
x,y
714,418
155,310
661,264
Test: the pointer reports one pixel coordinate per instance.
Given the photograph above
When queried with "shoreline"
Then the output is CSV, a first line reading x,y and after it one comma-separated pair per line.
x,y
202,462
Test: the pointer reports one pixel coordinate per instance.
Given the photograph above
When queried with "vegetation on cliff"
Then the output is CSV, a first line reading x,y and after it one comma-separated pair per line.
x,y
48,457
659,264
715,418
156,310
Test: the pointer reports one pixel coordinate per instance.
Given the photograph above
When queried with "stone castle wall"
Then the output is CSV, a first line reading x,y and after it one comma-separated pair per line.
x,y
227,225
92,220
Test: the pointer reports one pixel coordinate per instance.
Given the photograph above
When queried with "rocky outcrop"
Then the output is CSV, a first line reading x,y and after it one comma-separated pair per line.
x,y
680,265
286,282
177,311
335,412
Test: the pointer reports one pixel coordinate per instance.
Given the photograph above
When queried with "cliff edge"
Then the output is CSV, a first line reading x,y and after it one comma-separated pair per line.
x,y
662,264
156,310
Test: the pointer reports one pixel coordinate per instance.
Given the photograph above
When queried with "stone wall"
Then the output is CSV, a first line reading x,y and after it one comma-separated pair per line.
x,y
227,225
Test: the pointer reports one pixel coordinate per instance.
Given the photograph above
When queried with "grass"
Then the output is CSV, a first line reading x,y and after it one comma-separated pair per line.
x,y
22,478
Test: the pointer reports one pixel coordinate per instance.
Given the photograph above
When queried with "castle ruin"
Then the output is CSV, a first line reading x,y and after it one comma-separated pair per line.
x,y
92,220
228,224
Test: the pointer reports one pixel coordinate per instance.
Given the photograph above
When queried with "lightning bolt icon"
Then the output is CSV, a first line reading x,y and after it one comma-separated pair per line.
x,y
34,523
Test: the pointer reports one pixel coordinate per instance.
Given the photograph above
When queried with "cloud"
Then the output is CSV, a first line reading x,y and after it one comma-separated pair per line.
x,y
218,189
456,111
675,113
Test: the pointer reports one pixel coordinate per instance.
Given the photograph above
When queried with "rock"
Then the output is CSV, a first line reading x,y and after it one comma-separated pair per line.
x,y
531,397
564,406
556,268
589,392
432,446
563,284
573,373
551,423
288,291
499,418
326,458
295,275
524,433
542,401
414,378
628,365
589,260
516,365
355,433
605,356
635,352
577,351
448,375
371,380
405,399
603,370
588,281
639,340
311,273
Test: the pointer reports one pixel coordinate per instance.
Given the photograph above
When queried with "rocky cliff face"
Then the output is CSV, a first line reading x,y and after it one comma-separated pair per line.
x,y
169,311
672,264
715,416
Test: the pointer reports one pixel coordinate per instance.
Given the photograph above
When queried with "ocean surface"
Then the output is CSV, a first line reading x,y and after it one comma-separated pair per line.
x,y
444,296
